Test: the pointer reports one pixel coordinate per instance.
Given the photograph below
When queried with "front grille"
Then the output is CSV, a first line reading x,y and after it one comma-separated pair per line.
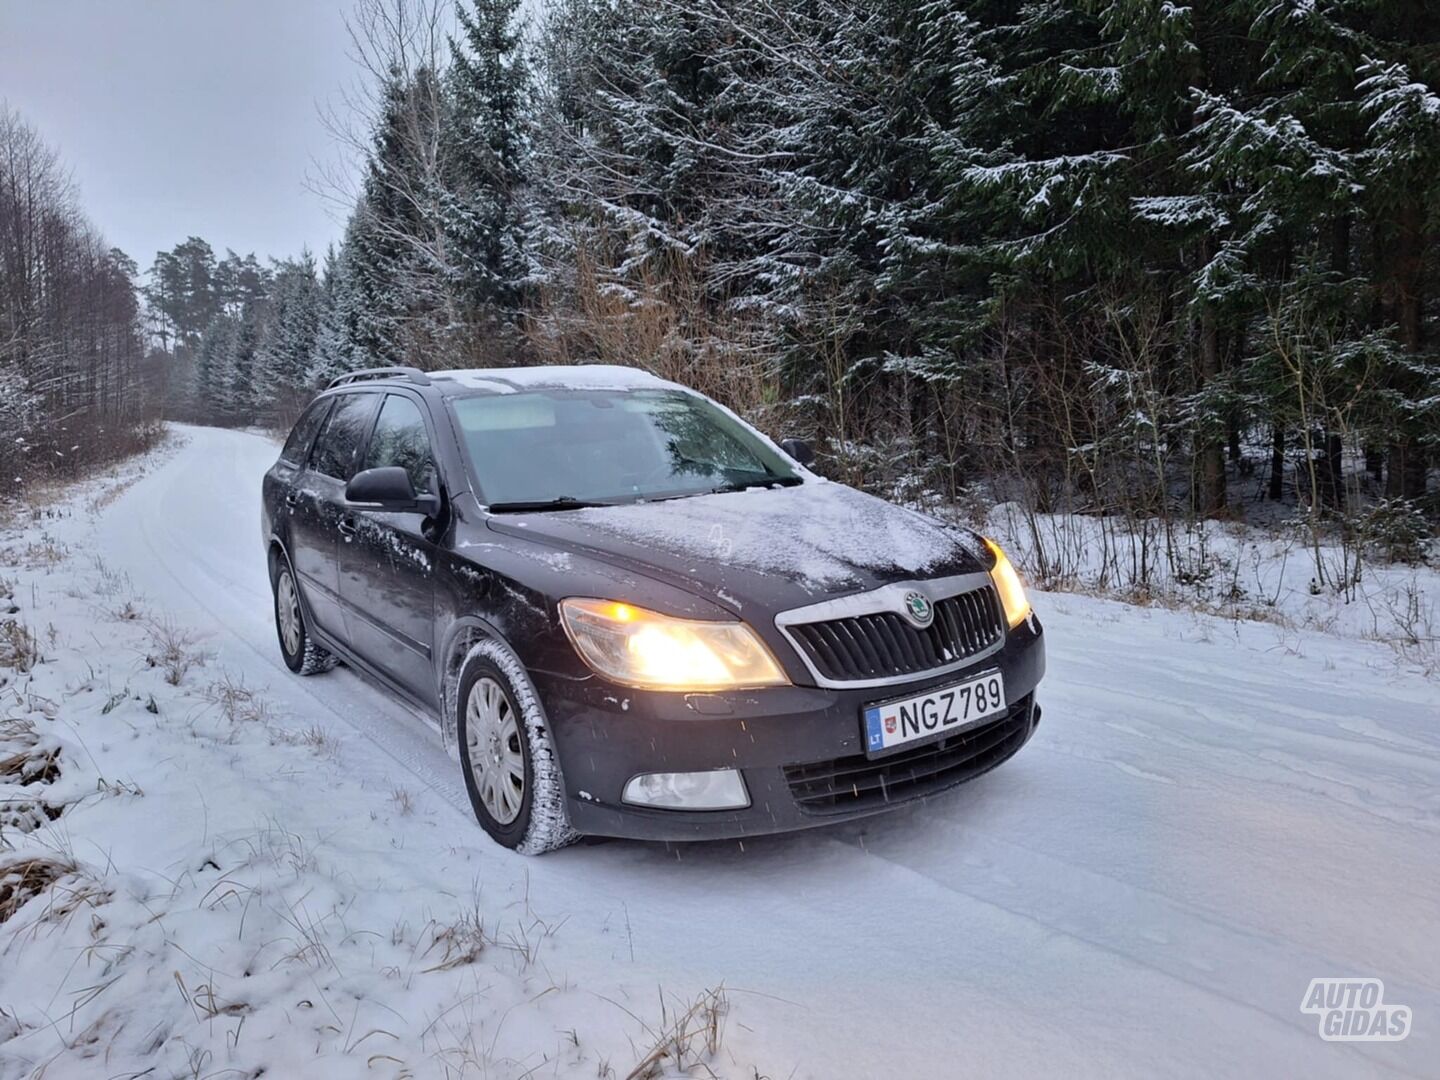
x,y
848,784
885,643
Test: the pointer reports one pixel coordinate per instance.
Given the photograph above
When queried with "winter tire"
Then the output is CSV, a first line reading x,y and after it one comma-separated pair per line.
x,y
509,763
301,654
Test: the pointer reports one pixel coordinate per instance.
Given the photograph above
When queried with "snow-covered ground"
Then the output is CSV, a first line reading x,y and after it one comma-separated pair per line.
x,y
1279,573
264,873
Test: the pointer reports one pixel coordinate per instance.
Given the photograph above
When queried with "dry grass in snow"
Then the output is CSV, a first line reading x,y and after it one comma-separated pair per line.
x,y
687,1038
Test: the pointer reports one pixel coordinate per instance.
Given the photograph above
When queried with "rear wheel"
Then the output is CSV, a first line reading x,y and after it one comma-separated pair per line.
x,y
509,763
301,654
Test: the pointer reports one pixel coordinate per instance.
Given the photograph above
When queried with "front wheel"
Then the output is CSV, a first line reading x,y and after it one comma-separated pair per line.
x,y
301,654
506,755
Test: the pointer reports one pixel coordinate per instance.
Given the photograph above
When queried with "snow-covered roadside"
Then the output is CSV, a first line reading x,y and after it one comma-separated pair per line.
x,y
1211,814
1276,573
214,890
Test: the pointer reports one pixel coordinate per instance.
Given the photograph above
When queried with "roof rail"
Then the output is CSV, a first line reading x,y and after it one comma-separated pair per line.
x,y
415,375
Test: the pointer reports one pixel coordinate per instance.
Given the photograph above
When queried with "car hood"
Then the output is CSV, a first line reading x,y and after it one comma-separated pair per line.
x,y
766,549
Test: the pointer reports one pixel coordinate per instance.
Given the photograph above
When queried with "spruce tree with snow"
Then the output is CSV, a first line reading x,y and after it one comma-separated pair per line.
x,y
291,332
481,205
1273,157
337,340
245,395
655,206
392,250
1104,230
213,366
1400,163
875,263
378,305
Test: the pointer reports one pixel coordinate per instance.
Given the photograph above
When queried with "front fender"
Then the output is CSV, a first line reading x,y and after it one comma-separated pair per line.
x,y
458,644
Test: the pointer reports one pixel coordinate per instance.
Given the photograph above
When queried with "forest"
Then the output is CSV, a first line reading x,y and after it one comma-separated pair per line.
x,y
1127,259
76,385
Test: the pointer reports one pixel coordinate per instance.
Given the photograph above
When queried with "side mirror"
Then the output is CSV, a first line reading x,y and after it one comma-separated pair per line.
x,y
798,449
388,488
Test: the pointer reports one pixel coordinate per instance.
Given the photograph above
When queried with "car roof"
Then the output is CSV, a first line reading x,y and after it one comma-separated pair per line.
x,y
553,377
512,380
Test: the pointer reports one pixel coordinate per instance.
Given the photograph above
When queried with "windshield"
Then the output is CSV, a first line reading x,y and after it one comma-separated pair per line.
x,y
601,446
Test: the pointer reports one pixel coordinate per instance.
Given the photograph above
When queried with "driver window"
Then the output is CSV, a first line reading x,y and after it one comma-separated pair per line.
x,y
336,449
400,439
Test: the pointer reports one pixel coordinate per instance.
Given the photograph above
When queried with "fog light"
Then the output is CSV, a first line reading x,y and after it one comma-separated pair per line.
x,y
720,789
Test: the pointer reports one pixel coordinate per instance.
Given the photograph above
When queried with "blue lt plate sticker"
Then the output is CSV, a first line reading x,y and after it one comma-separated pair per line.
x,y
875,734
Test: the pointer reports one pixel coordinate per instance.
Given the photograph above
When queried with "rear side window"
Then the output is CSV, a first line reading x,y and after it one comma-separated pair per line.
x,y
340,438
303,434
401,439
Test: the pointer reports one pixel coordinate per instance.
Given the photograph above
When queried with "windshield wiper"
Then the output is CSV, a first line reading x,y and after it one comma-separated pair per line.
x,y
764,481
564,502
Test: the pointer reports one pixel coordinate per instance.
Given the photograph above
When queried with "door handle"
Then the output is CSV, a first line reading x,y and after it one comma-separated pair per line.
x,y
347,527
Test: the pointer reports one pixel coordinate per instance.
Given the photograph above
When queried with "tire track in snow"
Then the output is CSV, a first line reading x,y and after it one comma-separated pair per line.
x,y
1047,893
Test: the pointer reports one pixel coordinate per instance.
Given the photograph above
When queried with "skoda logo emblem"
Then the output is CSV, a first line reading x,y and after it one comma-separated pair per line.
x,y
918,609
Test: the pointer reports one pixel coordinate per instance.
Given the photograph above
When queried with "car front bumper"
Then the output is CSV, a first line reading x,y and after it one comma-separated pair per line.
x,y
799,749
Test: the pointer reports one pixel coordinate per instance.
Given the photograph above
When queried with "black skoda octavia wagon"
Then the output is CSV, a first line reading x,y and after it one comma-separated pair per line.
x,y
631,614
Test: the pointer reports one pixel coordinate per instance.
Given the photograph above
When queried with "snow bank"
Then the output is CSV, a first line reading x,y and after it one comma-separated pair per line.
x,y
1268,573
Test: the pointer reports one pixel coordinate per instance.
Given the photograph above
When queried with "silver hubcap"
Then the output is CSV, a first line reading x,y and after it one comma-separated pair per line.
x,y
492,740
287,608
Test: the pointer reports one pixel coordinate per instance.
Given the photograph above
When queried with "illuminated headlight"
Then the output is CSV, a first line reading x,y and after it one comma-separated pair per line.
x,y
1009,586
643,648
720,789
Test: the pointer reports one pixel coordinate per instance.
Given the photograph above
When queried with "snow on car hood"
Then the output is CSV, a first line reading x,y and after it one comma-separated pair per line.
x,y
776,547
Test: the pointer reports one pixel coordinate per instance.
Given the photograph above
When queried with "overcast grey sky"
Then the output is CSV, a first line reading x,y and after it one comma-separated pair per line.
x,y
184,117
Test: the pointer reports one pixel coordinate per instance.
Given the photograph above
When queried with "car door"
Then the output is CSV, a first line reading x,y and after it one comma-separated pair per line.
x,y
280,483
387,560
317,503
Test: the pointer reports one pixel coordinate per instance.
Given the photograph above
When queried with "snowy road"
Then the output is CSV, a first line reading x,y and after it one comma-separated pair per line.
x,y
1208,817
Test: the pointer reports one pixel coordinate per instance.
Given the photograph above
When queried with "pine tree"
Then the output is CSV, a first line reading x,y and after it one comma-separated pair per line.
x,y
1108,226
183,291
238,281
875,261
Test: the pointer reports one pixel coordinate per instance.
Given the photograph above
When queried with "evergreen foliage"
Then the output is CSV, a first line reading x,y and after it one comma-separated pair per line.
x,y
1118,248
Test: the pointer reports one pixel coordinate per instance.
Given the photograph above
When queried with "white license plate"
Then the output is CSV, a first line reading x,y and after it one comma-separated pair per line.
x,y
944,711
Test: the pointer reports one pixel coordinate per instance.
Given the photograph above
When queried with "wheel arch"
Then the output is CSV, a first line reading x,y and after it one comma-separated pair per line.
x,y
460,641
274,553
548,826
